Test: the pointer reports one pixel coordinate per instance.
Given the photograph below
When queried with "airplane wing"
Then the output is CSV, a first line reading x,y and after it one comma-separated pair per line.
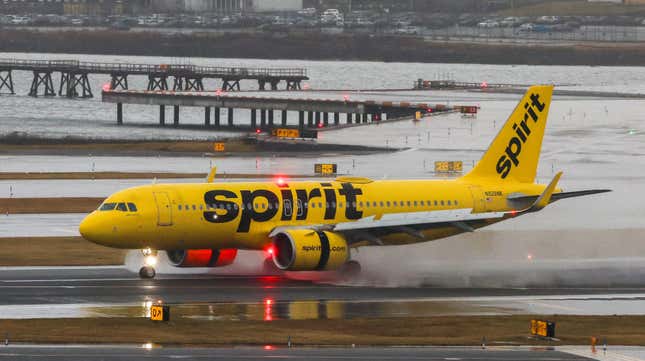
x,y
370,229
414,224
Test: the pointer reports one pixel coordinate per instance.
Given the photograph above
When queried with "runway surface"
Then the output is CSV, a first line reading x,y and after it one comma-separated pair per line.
x,y
117,292
295,354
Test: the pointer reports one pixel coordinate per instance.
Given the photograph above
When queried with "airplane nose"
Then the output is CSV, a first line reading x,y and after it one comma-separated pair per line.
x,y
87,228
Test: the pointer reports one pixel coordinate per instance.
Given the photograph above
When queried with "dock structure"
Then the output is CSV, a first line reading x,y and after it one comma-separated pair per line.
x,y
74,81
312,113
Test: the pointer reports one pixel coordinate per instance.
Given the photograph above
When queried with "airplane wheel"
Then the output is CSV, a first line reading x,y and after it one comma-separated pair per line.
x,y
350,270
147,273
269,268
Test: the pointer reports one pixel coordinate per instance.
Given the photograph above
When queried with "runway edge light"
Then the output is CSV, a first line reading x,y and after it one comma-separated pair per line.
x,y
160,313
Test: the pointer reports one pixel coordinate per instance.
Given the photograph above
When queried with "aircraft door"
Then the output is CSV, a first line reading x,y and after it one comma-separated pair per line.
x,y
300,208
288,210
164,209
479,201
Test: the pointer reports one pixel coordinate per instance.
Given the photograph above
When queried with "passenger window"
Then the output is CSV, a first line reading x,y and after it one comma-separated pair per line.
x,y
313,205
422,204
381,203
194,208
107,207
319,204
442,203
374,204
179,207
409,204
449,203
394,203
132,207
201,207
456,203
436,203
121,207
388,204
416,204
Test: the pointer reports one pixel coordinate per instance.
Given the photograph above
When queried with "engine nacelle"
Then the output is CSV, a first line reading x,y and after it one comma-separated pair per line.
x,y
308,250
202,257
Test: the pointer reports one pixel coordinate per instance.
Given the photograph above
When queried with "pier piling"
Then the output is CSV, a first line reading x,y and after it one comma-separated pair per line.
x,y
162,114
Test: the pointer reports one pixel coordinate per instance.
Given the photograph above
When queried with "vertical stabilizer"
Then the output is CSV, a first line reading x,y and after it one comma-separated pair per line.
x,y
514,154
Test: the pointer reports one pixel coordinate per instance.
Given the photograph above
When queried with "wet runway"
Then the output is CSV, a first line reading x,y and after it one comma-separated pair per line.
x,y
259,353
116,292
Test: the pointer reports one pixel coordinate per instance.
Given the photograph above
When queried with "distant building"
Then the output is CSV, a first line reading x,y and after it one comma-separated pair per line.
x,y
214,5
242,5
276,5
76,7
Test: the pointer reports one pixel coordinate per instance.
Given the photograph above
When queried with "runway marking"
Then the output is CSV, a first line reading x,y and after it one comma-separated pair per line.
x,y
557,307
585,351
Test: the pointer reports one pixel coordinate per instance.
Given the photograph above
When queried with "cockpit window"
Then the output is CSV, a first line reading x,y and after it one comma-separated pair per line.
x,y
132,207
107,207
121,207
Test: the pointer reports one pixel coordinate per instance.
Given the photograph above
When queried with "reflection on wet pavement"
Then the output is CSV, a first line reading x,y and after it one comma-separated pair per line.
x,y
270,310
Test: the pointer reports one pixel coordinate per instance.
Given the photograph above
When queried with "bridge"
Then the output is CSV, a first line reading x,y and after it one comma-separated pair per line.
x,y
74,81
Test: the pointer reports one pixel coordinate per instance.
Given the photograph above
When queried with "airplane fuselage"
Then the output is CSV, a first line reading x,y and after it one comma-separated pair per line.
x,y
241,215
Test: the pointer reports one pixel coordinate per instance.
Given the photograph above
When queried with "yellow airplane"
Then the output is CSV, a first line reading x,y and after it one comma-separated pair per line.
x,y
311,226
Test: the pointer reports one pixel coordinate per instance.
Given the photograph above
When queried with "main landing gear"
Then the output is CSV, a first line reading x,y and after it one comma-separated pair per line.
x,y
147,271
350,270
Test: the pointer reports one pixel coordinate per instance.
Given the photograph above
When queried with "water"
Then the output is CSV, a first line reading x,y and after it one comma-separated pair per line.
x,y
60,117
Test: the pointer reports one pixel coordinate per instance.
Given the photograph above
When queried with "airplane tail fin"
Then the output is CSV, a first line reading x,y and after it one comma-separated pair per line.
x,y
514,153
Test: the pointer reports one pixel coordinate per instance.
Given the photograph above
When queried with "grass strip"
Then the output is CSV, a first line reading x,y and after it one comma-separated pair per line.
x,y
49,205
458,330
56,251
136,175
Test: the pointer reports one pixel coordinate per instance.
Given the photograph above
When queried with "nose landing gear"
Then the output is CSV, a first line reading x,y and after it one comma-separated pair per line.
x,y
147,271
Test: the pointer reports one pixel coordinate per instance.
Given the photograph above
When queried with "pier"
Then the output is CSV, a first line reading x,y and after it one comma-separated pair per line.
x,y
74,81
313,113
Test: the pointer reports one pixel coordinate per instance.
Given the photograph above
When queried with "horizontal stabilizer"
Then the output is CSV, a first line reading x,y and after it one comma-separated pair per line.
x,y
561,195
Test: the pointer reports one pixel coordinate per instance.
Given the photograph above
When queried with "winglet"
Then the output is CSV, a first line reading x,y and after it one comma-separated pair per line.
x,y
545,198
211,175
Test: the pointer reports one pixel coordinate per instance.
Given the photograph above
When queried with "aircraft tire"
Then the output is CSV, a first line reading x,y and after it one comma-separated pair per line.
x,y
350,270
269,268
147,273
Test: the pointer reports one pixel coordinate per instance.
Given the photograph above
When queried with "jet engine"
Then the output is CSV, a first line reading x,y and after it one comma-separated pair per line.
x,y
202,257
308,250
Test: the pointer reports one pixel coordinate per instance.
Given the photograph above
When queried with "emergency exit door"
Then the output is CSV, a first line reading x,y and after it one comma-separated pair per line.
x,y
164,209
